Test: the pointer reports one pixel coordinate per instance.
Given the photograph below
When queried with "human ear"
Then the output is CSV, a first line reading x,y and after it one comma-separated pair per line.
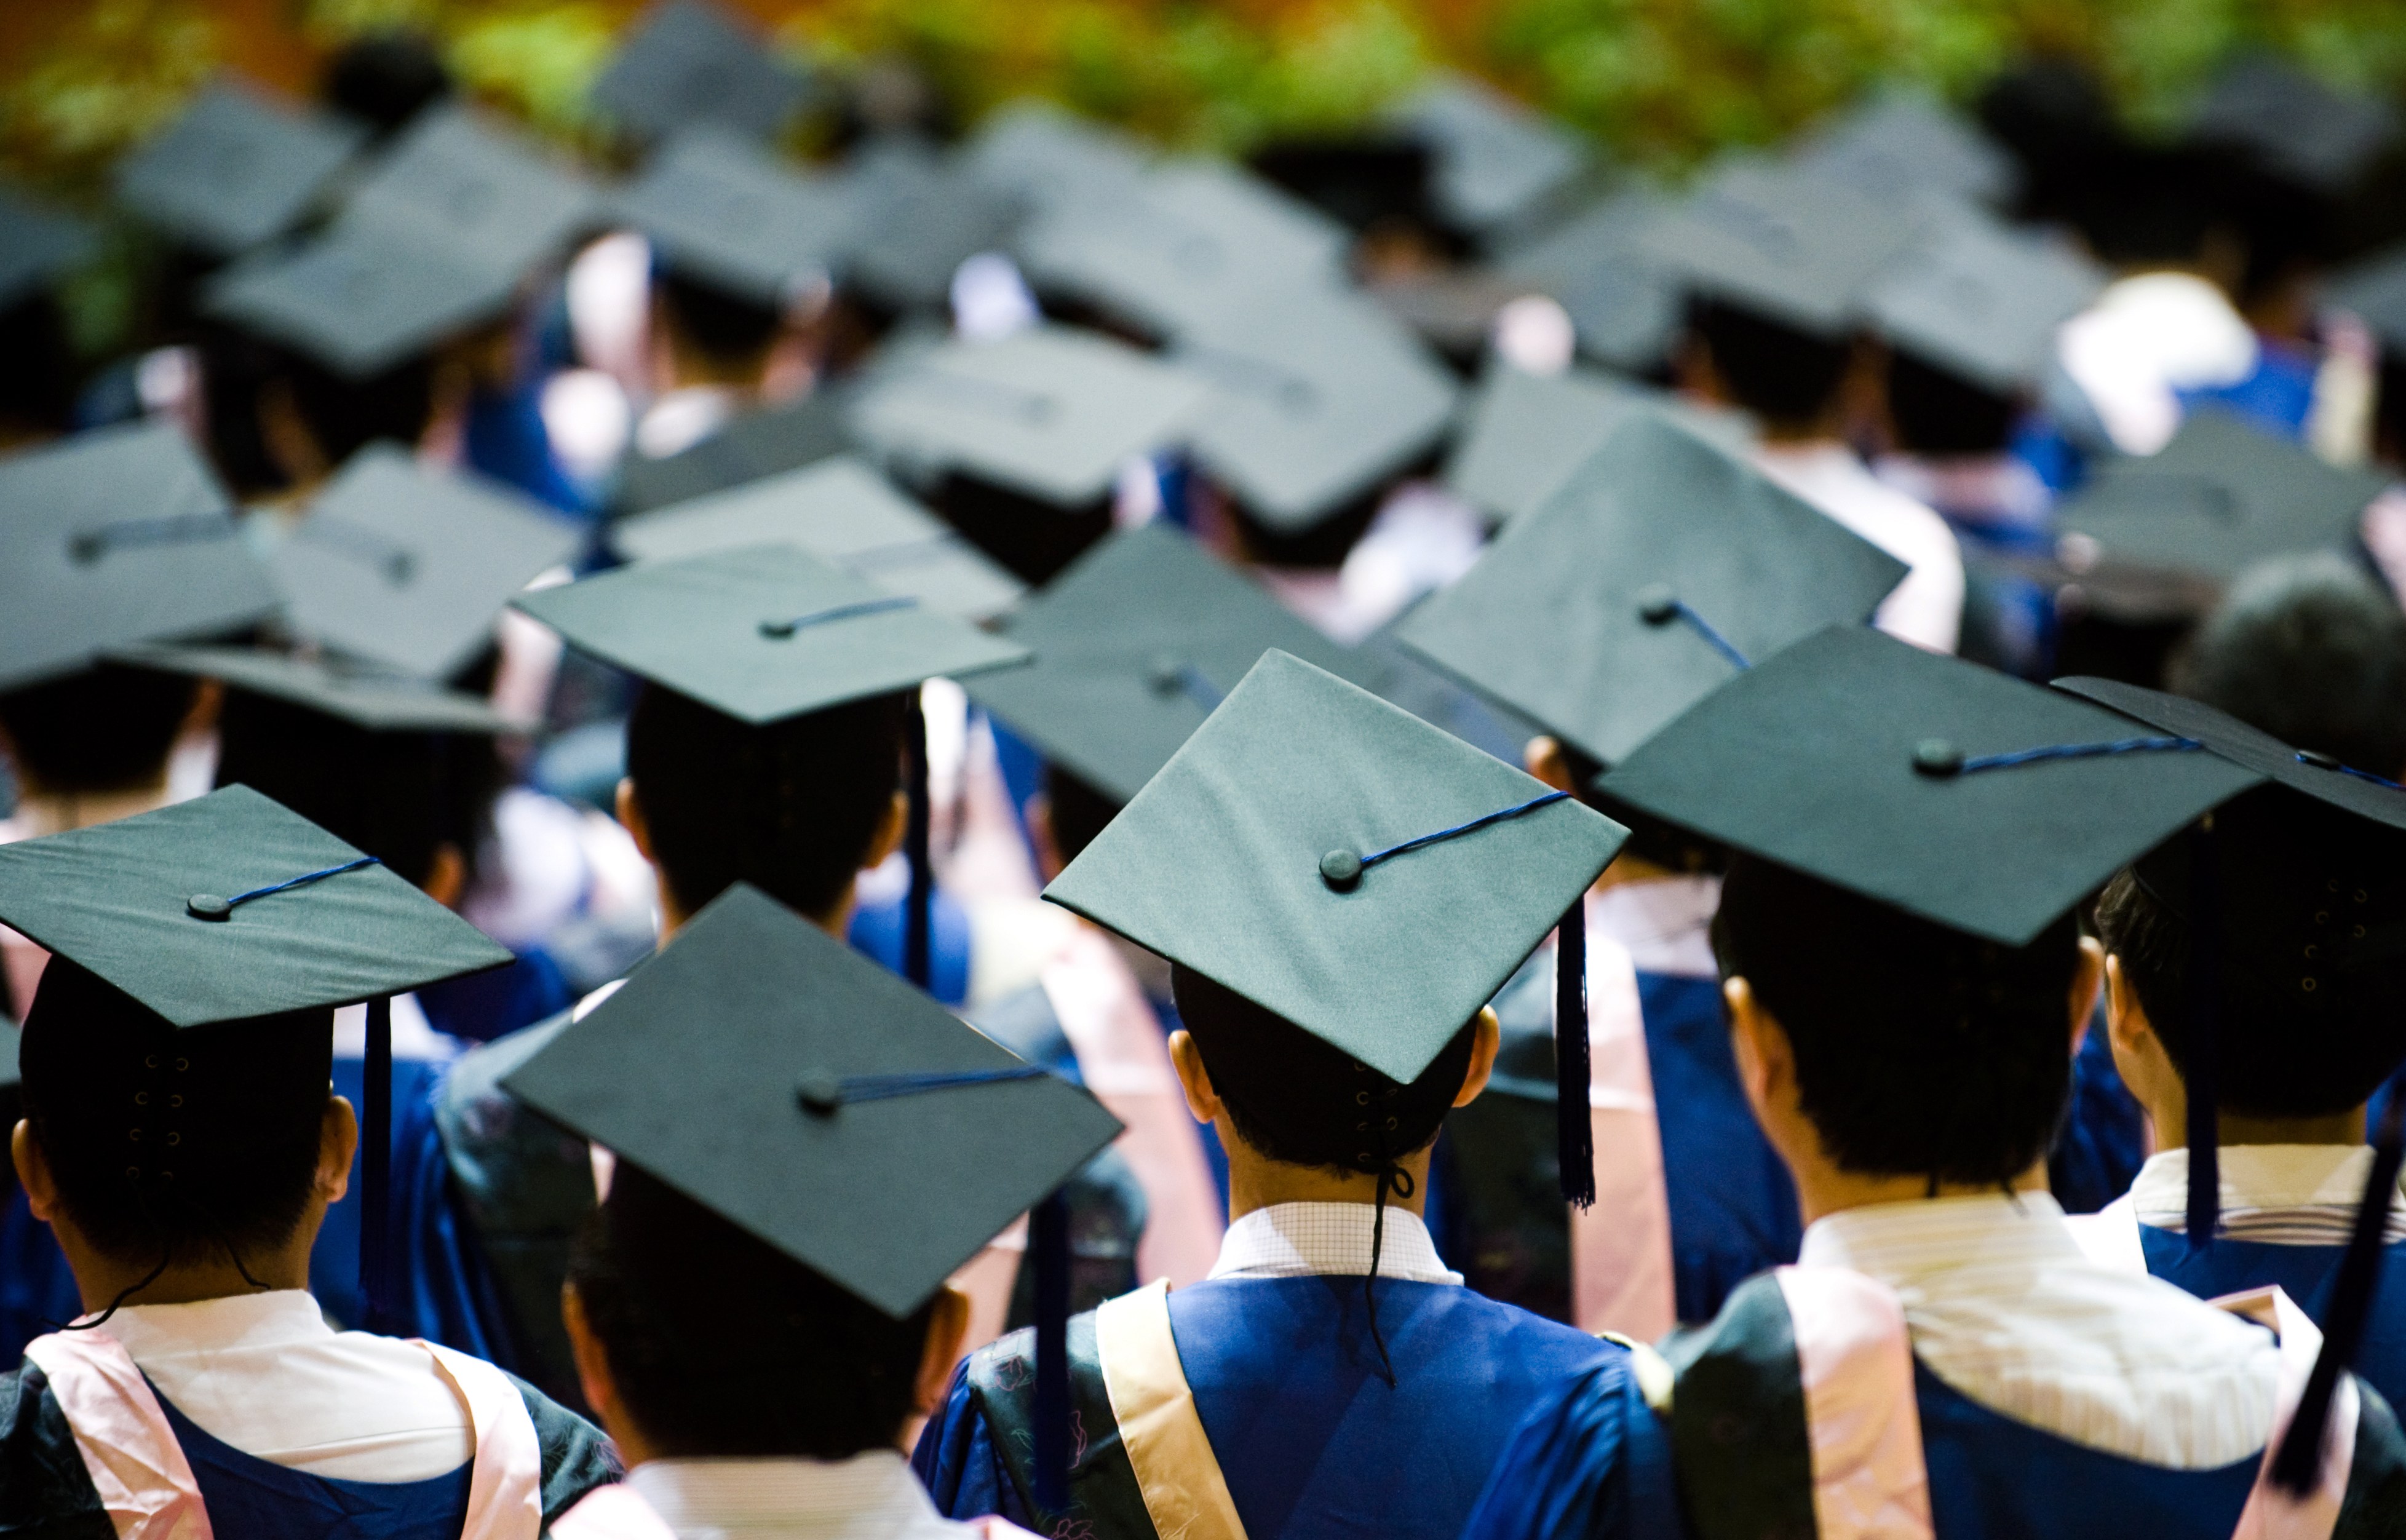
x,y
1765,1061
592,1365
34,1172
1544,759
338,1142
2085,977
1038,813
948,1325
890,830
447,876
1486,1038
1193,1078
630,817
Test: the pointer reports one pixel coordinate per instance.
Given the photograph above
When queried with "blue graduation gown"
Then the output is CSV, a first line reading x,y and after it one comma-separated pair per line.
x,y
876,932
261,1500
2307,1275
37,1291
2104,1138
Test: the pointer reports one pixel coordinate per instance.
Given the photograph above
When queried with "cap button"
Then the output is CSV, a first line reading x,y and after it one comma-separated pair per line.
x,y
1340,869
819,1092
776,630
1935,756
1656,605
2319,759
1165,673
207,906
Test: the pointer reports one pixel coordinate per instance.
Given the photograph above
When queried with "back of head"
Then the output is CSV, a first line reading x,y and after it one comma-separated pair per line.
x,y
1919,1050
1938,412
102,728
38,390
2311,650
345,414
173,1142
385,78
1299,1101
1780,374
734,332
816,1372
1078,808
2146,205
790,807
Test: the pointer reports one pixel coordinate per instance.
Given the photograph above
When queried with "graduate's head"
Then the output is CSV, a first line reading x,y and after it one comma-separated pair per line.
x,y
1073,812
711,1343
143,1144
1791,379
718,334
1907,1048
795,807
313,418
1938,412
103,729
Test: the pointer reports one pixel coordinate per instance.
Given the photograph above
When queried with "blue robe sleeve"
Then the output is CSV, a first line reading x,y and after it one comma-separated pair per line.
x,y
957,1463
2104,1138
1590,1464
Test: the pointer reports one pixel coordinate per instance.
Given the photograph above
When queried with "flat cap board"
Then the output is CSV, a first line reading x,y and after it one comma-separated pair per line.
x,y
1135,644
722,210
1192,241
1318,395
361,299
845,514
1567,620
1050,413
1902,142
753,446
1216,864
693,1072
235,170
39,244
115,536
2374,290
1523,434
10,1076
1622,302
1980,300
409,566
460,178
379,703
1040,156
762,634
1789,245
119,900
2294,123
1496,163
917,217
689,62
1809,759
2220,497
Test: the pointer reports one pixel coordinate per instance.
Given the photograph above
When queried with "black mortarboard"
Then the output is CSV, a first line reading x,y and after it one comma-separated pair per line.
x,y
2294,123
691,62
1661,569
1135,644
1523,434
410,566
1939,787
1318,396
361,299
235,170
364,698
1979,299
1497,164
458,179
847,515
753,446
2220,497
116,536
916,218
1787,244
39,244
1622,303
1901,143
1041,156
1049,413
721,209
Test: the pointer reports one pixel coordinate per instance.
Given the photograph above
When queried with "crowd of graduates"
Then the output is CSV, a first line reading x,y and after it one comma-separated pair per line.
x,y
1003,831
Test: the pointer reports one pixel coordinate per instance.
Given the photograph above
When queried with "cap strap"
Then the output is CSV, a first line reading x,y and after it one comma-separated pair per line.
x,y
824,1093
1939,759
1175,675
88,546
364,546
778,630
203,906
2329,762
1658,607
1532,805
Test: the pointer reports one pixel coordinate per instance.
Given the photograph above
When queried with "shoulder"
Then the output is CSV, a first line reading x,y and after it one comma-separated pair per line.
x,y
45,1492
502,1151
577,1455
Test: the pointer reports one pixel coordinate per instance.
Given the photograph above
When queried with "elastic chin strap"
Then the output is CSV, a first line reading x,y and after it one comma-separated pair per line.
x,y
1392,1179
166,1256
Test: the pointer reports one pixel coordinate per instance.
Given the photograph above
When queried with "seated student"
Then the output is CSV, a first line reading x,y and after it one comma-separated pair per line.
x,y
1944,1354
1332,1003
203,1381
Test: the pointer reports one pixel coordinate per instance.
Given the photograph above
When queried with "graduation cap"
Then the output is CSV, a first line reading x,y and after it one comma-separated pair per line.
x,y
408,566
845,514
1623,301
754,445
1041,156
721,209
778,1079
1497,164
2294,123
1522,434
361,300
1981,301
2374,290
460,179
917,217
691,62
115,536
2220,497
230,907
39,244
1661,569
235,170
1793,246
1318,396
365,698
1049,413
1903,141
1135,644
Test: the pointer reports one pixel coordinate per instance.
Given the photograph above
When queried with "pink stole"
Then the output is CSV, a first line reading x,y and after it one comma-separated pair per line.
x,y
1621,1248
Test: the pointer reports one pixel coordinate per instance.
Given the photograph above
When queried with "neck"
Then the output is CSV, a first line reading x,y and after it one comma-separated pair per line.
x,y
101,1279
836,921
1257,1182
2232,1128
1824,1189
44,811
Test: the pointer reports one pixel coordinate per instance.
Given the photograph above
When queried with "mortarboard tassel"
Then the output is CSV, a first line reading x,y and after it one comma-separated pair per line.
x,y
919,906
1049,1239
2299,1462
2202,1040
375,1173
1573,1129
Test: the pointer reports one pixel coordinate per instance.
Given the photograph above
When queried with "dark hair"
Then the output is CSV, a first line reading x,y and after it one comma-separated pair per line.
x,y
1298,1100
108,727
173,1143
2311,650
1775,371
724,325
1938,412
1078,810
385,78
815,1372
38,390
345,414
1650,839
1031,538
399,796
789,807
2146,204
2311,1022
1920,1051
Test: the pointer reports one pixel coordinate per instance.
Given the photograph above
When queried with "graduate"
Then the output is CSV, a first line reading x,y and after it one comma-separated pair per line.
x,y
1338,887
40,247
181,1138
808,1148
1905,985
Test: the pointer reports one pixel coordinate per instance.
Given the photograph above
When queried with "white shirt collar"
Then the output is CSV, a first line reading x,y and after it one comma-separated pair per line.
x,y
1665,922
1301,1239
2005,1306
279,1318
871,1496
2284,1194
